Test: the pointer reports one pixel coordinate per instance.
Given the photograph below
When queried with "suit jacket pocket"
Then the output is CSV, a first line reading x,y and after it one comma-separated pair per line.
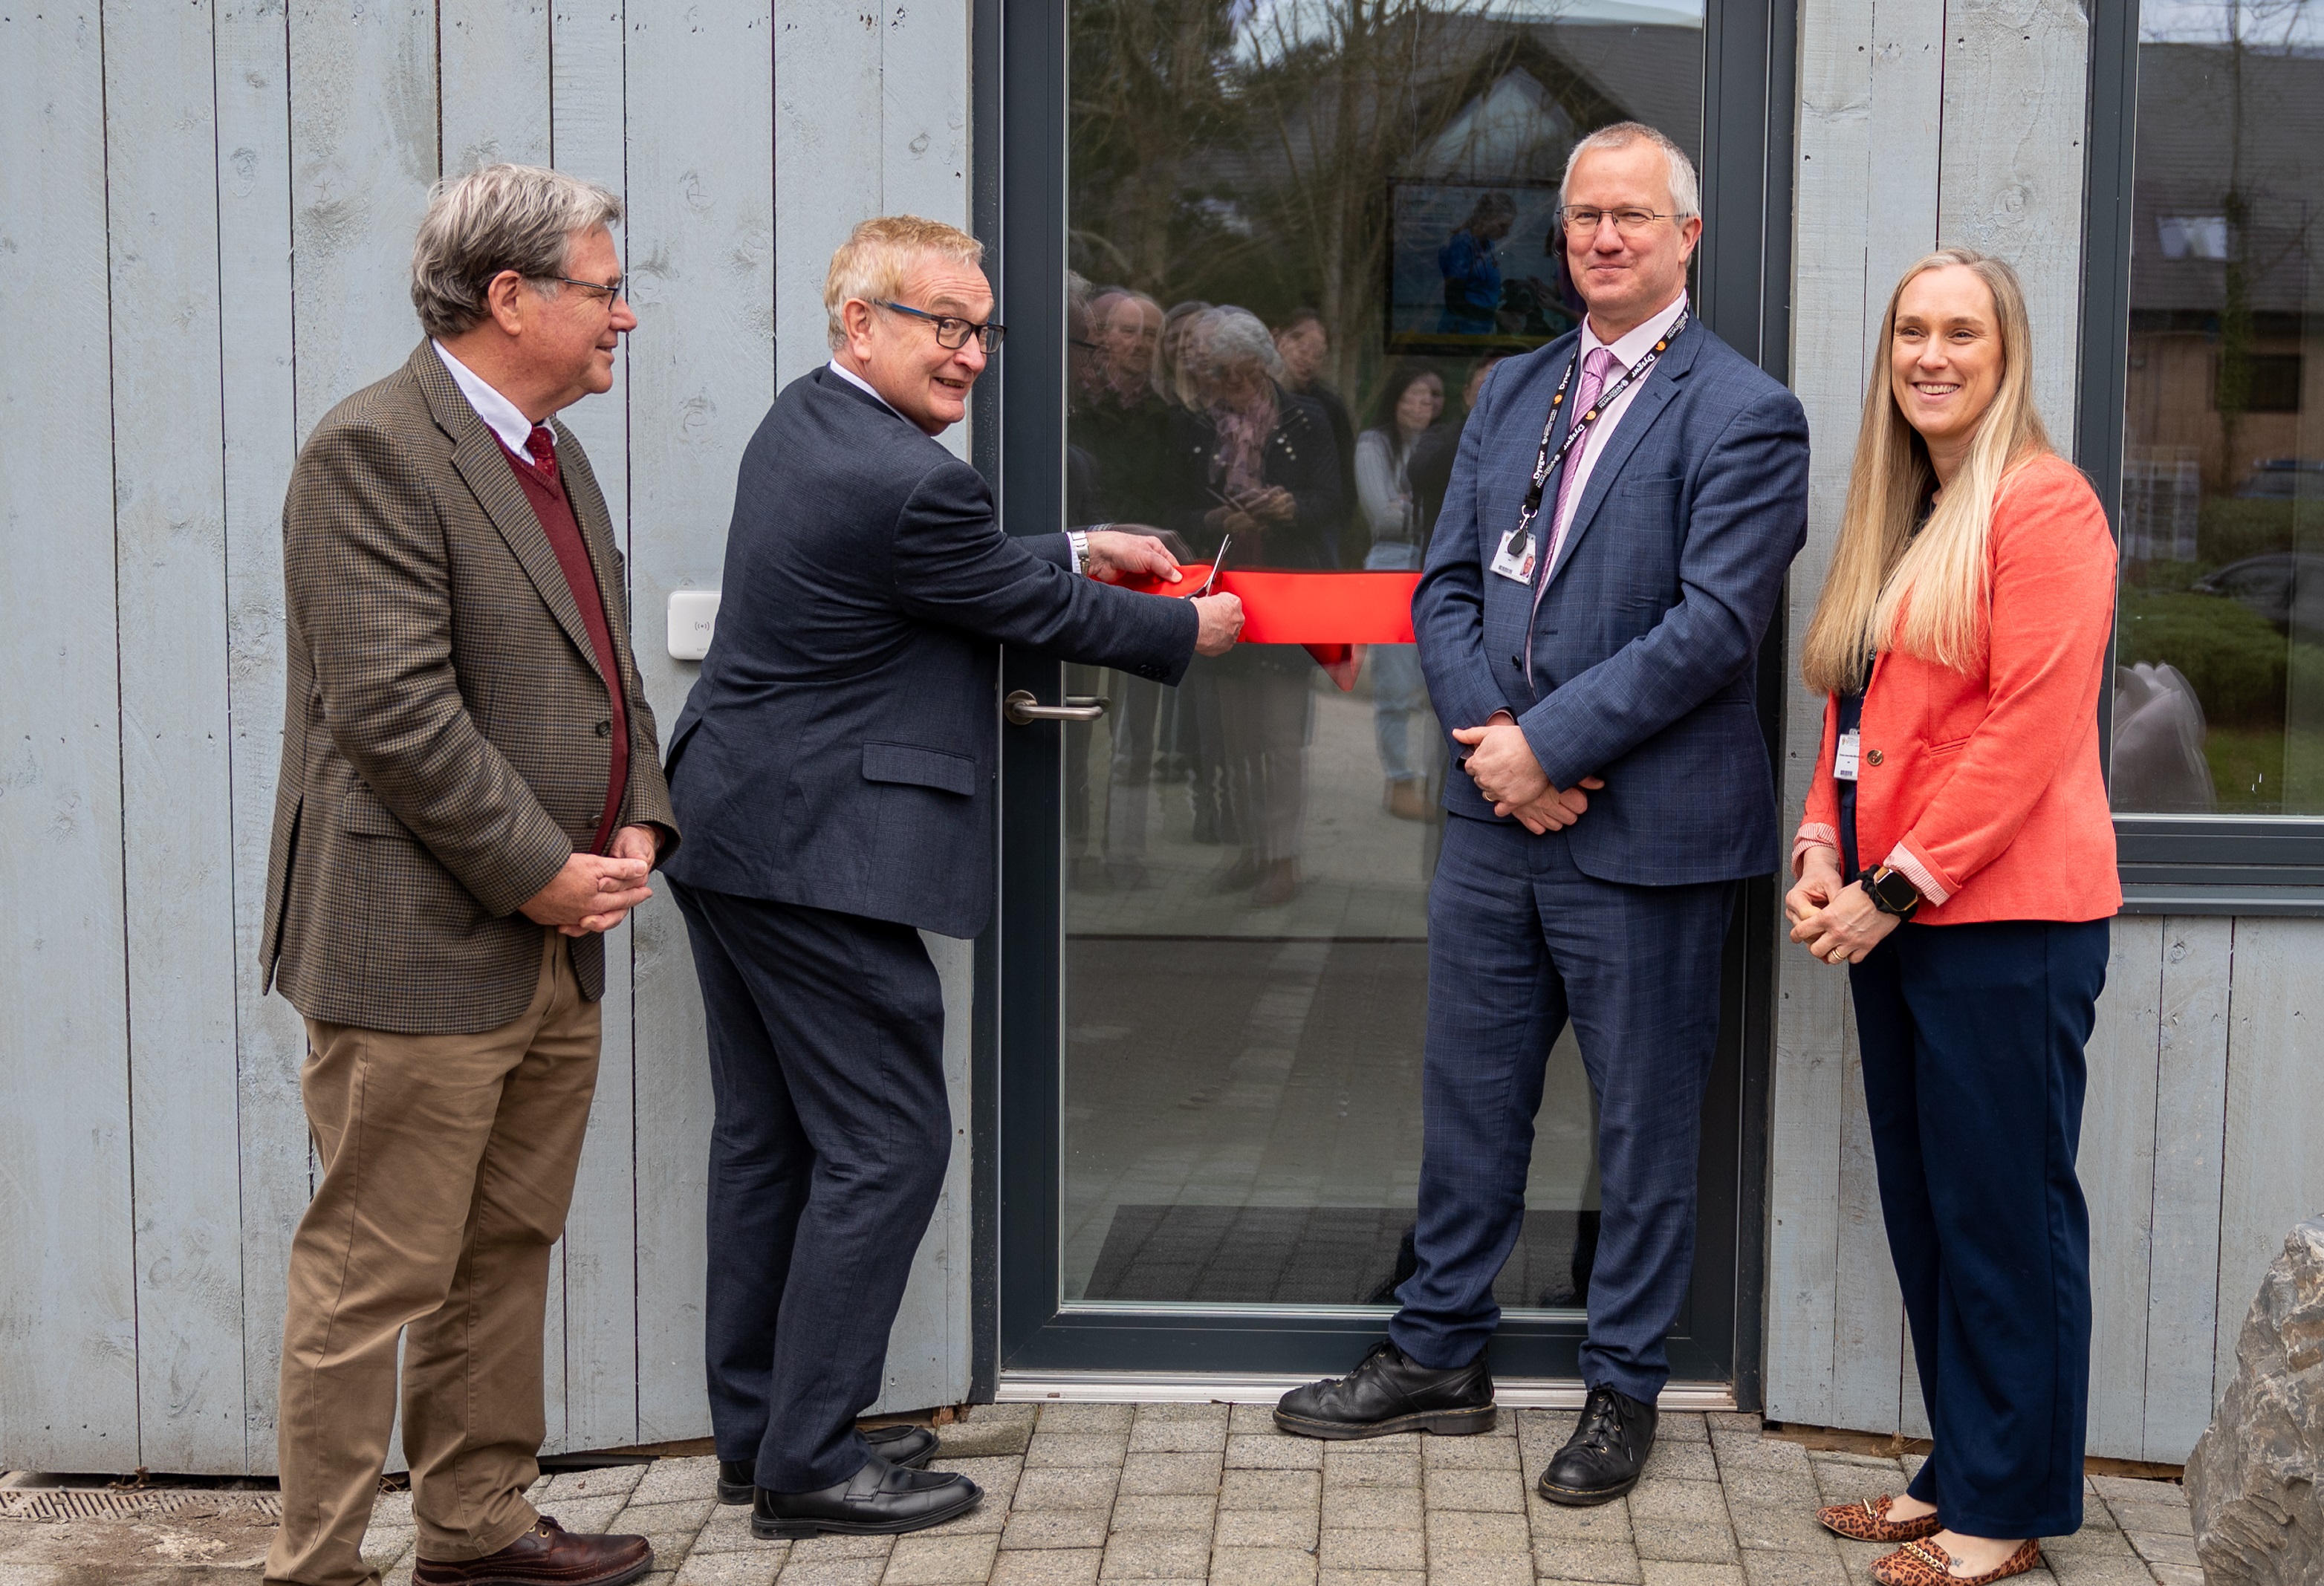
x,y
361,811
923,768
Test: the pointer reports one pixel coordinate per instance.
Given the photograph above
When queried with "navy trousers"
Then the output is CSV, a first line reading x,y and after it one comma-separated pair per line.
x,y
826,1156
1972,1037
1519,940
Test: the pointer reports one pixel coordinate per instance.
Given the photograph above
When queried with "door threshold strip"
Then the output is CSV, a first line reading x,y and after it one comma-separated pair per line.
x,y
1251,1388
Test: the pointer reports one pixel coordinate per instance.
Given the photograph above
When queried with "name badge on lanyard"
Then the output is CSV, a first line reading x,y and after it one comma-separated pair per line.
x,y
1844,753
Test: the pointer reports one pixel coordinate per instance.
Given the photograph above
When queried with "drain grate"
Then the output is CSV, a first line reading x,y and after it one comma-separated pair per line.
x,y
83,1503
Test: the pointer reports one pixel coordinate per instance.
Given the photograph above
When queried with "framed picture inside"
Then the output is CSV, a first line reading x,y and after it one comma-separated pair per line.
x,y
1474,267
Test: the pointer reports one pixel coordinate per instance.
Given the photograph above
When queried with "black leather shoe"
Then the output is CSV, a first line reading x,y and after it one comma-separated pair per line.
x,y
1607,1453
881,1499
911,1447
1387,1393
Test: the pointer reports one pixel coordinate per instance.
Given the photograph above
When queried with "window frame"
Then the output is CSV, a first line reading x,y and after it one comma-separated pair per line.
x,y
2169,864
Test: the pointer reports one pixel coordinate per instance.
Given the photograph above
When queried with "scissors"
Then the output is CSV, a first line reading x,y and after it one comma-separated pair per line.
x,y
1218,561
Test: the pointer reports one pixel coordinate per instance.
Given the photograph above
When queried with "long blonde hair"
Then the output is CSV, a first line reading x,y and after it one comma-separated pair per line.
x,y
1879,562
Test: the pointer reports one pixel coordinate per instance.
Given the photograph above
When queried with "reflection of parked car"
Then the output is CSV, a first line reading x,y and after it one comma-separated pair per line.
x,y
2283,479
2286,588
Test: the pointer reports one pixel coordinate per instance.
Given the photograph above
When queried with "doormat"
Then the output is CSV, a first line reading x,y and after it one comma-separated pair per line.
x,y
1318,1256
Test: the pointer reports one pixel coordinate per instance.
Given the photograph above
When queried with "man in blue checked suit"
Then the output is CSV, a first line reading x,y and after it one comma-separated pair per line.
x,y
1612,546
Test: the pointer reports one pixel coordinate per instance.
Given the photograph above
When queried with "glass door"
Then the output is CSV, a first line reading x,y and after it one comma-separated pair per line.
x,y
1257,256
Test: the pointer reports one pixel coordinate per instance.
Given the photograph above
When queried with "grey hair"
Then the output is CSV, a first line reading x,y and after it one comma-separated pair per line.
x,y
1685,187
1216,342
520,218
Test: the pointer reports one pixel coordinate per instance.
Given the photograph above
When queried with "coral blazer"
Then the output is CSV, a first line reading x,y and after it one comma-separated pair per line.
x,y
1984,787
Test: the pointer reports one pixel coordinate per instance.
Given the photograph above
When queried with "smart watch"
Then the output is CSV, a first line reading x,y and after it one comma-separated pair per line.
x,y
1892,891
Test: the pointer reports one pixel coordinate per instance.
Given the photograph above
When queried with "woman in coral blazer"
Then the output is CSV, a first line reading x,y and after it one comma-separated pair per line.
x,y
1958,856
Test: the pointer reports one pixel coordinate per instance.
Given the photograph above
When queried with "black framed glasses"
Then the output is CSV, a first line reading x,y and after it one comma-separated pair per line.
x,y
1579,222
952,331
609,292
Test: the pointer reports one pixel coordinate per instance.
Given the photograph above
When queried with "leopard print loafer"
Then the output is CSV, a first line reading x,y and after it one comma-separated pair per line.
x,y
1924,1564
1869,1521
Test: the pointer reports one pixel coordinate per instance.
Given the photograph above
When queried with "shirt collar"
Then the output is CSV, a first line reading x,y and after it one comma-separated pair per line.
x,y
861,384
1636,343
503,417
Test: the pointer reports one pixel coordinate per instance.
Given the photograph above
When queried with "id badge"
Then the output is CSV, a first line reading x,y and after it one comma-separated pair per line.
x,y
1844,755
1520,565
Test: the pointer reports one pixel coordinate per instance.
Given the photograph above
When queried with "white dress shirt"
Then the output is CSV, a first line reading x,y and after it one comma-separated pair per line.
x,y
503,417
1627,350
860,384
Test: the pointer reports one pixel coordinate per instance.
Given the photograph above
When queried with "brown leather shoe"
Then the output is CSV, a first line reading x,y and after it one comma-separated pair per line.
x,y
546,1555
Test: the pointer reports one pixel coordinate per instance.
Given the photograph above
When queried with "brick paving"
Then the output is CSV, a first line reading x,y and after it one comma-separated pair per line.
x,y
1090,1495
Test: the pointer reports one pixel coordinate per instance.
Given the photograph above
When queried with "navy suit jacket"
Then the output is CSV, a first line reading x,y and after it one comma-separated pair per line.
x,y
840,747
1645,642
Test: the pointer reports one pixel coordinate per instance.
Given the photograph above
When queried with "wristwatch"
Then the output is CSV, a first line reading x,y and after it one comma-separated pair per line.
x,y
1892,891
1079,540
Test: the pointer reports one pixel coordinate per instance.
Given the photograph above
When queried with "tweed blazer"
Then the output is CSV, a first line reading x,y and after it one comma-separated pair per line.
x,y
445,736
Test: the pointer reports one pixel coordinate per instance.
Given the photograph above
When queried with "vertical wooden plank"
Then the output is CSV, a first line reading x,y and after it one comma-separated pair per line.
x,y
828,161
2272,1174
178,890
496,91
261,435
2190,1102
1865,204
601,1313
2117,1168
700,248
2017,91
363,144
928,1347
68,1300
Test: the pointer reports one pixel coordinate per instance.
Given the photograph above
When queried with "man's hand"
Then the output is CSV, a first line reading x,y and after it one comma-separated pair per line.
x,y
1114,555
591,893
1502,765
1222,623
1557,809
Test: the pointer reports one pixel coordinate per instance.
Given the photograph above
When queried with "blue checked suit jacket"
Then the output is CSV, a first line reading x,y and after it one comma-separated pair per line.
x,y
1645,642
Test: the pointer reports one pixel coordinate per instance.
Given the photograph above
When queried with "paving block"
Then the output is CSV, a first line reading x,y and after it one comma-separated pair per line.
x,y
1699,1542
1331,1577
1206,1411
2100,1571
1156,1555
1681,1426
1270,1489
1371,1509
1169,1472
1265,1528
1172,1511
1045,1528
1054,1449
2132,1489
836,1571
1472,1454
1747,1451
989,1430
1652,1500
676,1481
1605,1522
1819,1567
824,1549
729,1569
1565,1558
1662,1572
2162,1548
1262,1566
1774,1525
2090,1542
588,1515
393,1509
1158,1434
1071,1487
1077,1417
1466,1531
1735,1421
1250,1419
2178,1575
1364,1550
607,1481
2158,1519
996,1476
1370,1465
1273,1450
1048,1567
1678,1461
728,1530
1499,1491
931,1559
1479,1568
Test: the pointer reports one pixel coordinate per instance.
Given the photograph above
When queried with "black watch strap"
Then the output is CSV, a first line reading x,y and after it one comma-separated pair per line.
x,y
1892,892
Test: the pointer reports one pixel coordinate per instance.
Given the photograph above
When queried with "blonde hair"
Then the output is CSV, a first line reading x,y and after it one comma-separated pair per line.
x,y
1685,187
1925,595
520,218
871,265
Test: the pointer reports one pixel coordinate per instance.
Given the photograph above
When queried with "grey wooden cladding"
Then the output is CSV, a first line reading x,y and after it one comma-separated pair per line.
x,y
209,212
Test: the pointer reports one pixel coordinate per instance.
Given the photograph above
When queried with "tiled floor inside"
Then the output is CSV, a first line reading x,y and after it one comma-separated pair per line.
x,y
1078,1494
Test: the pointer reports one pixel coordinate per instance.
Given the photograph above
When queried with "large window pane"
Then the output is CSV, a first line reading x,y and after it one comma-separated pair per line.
x,y
2219,693
1285,215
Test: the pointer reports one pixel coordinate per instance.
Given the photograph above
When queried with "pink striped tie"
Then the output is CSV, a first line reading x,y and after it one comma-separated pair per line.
x,y
1595,368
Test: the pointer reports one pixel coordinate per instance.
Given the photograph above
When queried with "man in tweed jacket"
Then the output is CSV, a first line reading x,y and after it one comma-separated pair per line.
x,y
470,797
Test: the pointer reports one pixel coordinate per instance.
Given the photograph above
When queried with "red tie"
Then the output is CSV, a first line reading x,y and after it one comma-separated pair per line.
x,y
543,446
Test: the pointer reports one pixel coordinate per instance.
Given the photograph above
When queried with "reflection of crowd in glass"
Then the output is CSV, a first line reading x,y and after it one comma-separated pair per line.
x,y
1202,421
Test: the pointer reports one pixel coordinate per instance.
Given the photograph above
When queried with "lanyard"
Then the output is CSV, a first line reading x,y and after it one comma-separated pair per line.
x,y
1552,450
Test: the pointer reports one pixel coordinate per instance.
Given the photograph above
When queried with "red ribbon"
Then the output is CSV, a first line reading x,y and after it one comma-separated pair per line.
x,y
1328,614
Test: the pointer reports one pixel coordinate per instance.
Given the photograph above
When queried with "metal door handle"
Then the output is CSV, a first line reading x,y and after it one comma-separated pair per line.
x,y
1022,710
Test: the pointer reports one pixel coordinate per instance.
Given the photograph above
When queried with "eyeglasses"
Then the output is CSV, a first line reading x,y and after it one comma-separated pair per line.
x,y
610,291
1582,223
952,331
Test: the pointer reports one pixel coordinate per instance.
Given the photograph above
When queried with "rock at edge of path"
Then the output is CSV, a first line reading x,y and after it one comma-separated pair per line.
x,y
2253,1479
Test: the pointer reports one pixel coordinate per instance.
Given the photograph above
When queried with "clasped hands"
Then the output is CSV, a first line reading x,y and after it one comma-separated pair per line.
x,y
1115,554
1835,918
1502,765
596,892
